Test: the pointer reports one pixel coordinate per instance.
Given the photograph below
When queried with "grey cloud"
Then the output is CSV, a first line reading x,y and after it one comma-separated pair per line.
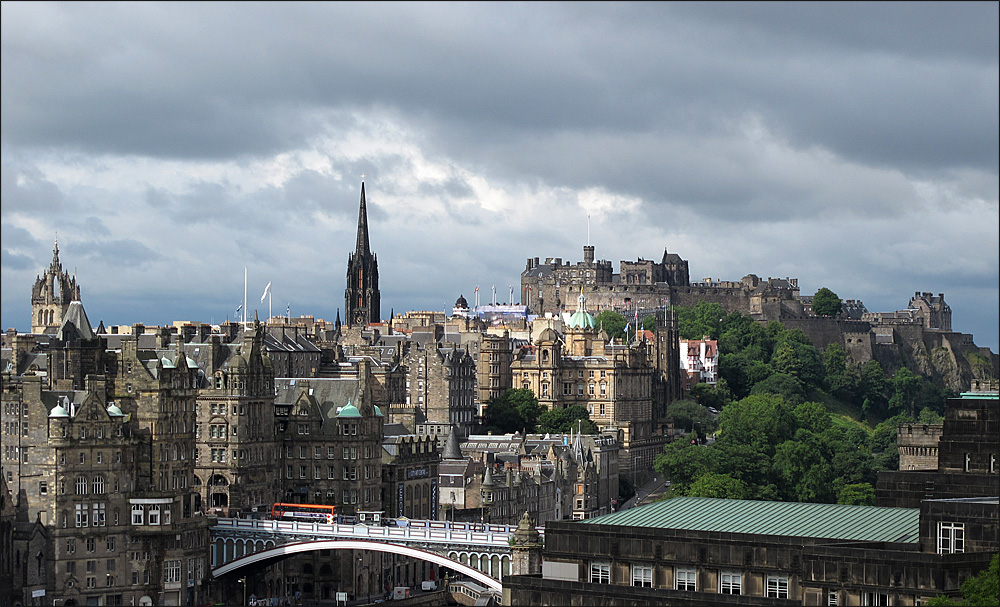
x,y
123,253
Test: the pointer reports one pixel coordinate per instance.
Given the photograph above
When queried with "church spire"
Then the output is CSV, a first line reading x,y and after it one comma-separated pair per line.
x,y
361,298
362,248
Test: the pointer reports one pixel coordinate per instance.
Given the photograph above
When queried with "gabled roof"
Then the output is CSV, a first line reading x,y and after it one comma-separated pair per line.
x,y
791,519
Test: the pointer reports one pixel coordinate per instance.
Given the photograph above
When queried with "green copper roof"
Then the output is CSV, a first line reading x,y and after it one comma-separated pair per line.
x,y
794,519
349,411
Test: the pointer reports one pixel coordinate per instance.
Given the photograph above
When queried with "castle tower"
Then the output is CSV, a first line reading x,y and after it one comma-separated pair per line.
x,y
361,298
51,296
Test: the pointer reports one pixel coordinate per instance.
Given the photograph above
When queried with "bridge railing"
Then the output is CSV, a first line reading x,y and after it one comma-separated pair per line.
x,y
491,535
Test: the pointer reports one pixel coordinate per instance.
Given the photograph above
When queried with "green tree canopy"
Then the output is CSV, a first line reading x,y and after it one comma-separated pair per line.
x,y
559,420
705,318
515,410
782,384
691,416
826,303
720,486
613,324
763,420
857,494
906,387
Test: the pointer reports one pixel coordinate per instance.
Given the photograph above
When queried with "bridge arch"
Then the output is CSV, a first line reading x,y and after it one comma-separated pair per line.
x,y
311,546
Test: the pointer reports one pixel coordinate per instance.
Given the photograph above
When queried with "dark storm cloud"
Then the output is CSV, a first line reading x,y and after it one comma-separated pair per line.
x,y
749,137
172,84
123,253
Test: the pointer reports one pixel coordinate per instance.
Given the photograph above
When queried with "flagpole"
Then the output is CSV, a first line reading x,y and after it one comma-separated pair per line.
x,y
244,297
269,294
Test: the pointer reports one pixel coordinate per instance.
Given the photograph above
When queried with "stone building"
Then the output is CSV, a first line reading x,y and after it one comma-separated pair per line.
x,y
703,551
235,431
957,459
410,474
614,382
104,465
362,303
331,443
51,296
440,385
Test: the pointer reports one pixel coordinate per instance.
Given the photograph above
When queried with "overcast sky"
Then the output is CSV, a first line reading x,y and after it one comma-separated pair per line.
x,y
851,145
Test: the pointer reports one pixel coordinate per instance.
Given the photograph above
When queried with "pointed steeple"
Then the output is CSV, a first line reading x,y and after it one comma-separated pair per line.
x,y
451,448
362,248
361,298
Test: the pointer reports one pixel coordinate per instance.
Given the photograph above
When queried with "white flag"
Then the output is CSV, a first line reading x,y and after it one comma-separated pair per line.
x,y
266,290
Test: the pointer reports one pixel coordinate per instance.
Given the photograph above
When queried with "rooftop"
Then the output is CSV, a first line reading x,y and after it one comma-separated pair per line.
x,y
793,519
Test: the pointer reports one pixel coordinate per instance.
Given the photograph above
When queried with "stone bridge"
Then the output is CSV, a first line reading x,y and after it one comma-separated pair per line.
x,y
482,552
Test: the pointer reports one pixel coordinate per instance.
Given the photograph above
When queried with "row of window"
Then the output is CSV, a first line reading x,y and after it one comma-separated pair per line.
x,y
348,453
91,545
348,473
150,514
730,582
99,457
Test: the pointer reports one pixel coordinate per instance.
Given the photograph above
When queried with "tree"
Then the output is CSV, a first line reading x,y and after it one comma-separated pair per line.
x,y
515,410
763,420
782,384
857,494
721,486
826,303
613,324
905,388
704,319
559,420
691,416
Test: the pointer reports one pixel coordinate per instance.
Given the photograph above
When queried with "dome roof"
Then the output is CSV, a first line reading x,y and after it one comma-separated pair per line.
x,y
349,411
237,362
114,411
582,319
547,334
378,411
461,303
58,411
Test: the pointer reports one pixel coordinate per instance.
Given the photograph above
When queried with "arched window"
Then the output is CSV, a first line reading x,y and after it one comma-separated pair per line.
x,y
97,485
154,514
137,514
81,485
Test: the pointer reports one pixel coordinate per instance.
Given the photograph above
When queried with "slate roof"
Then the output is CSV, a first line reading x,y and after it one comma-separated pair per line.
x,y
793,519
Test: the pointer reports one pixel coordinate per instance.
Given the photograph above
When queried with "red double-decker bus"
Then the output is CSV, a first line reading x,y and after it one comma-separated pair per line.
x,y
312,513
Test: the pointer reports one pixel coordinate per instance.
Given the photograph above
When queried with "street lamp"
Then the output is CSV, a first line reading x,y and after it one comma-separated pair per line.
x,y
243,580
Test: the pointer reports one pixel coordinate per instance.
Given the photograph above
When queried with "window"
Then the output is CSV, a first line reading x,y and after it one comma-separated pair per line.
x,y
730,582
600,572
81,485
777,587
317,452
137,514
70,545
43,488
832,598
171,571
331,452
154,514
951,537
99,515
91,544
110,543
97,486
685,579
642,575
874,598
81,515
